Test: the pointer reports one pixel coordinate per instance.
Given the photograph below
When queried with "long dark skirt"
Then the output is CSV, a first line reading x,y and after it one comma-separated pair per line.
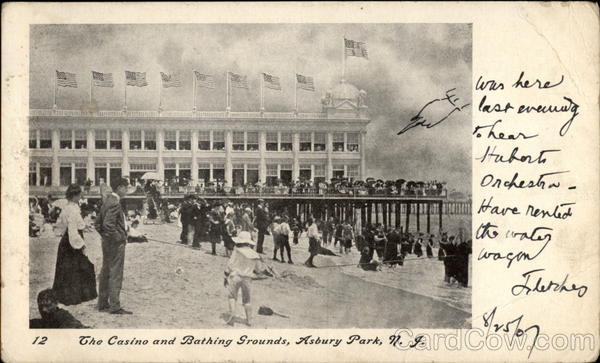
x,y
313,246
229,243
390,253
74,277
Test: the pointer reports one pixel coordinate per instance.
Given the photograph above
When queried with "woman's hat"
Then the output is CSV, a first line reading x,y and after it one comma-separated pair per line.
x,y
244,237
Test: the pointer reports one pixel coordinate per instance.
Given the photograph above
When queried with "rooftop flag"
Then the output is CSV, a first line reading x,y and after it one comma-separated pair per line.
x,y
205,80
170,80
102,79
66,79
137,79
271,82
238,81
305,82
355,49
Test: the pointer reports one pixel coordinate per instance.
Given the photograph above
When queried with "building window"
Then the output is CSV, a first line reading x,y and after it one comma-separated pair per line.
x,y
32,139
305,172
218,171
149,140
218,143
100,139
135,139
32,174
170,174
45,139
204,140
272,175
237,174
352,144
203,172
305,141
338,141
45,174
80,173
115,173
252,174
338,171
286,141
320,141
80,139
185,174
185,142
66,139
238,141
116,142
320,176
272,142
285,173
170,140
352,171
65,174
252,141
100,173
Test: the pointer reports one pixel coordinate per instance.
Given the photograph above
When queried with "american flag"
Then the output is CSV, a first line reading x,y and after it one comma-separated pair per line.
x,y
238,81
305,82
271,82
66,79
170,80
102,79
205,80
137,79
356,49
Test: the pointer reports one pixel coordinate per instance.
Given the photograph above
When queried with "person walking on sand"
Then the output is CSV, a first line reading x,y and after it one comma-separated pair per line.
x,y
242,265
313,242
284,236
112,226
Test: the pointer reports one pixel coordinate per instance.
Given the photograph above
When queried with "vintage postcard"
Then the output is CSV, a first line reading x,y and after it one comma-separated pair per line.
x,y
300,182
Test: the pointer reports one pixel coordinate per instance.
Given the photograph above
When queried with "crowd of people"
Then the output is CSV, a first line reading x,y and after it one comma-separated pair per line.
x,y
238,227
337,186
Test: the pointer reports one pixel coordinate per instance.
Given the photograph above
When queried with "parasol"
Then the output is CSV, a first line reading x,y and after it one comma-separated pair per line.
x,y
151,175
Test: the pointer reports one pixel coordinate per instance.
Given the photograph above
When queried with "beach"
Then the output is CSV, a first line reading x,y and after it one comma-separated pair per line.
x,y
169,285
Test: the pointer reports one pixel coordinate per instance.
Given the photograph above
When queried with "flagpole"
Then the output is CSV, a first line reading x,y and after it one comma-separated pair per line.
x,y
228,101
343,58
125,105
296,92
262,92
54,96
160,87
91,80
194,93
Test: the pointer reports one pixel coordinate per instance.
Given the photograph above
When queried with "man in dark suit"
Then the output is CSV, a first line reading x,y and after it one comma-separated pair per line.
x,y
262,223
112,226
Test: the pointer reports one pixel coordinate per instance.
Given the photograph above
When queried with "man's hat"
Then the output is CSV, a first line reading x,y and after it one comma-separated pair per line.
x,y
260,201
244,237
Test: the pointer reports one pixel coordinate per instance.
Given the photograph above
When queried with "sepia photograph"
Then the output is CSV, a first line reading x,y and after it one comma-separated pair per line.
x,y
210,176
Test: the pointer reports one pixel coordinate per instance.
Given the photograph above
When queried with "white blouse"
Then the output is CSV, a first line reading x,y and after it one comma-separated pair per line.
x,y
313,231
70,219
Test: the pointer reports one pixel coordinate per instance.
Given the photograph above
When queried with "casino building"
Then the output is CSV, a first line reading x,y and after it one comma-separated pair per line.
x,y
71,146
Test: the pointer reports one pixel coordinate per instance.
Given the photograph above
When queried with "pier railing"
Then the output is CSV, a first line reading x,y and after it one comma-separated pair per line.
x,y
264,192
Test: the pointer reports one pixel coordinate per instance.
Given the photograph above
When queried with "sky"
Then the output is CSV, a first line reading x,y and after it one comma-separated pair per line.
x,y
409,65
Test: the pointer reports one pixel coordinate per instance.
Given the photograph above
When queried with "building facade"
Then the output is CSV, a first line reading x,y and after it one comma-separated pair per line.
x,y
72,146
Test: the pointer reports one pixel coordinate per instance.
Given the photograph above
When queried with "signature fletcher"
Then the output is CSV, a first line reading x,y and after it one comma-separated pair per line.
x,y
445,106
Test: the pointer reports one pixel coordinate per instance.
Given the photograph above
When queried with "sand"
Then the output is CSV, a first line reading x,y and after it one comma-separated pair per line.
x,y
168,285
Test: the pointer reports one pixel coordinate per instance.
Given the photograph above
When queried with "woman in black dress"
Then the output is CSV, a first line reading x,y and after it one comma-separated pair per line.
x,y
74,278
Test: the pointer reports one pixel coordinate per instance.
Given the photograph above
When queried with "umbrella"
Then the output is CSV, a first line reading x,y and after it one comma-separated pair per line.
x,y
151,175
60,203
